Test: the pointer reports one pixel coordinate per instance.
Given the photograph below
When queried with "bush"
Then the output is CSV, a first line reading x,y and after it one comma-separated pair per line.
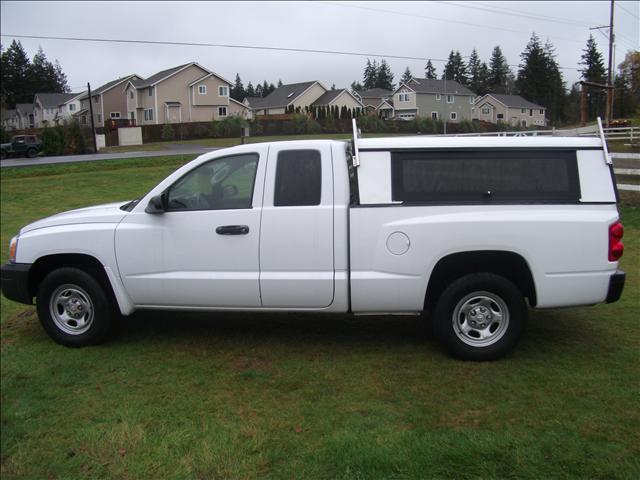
x,y
466,126
370,124
4,135
54,141
229,127
77,138
168,133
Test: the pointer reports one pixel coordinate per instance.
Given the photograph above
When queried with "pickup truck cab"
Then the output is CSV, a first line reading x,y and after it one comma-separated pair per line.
x,y
476,230
27,145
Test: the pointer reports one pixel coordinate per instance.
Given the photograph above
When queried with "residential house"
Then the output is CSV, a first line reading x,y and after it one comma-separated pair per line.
x,y
71,107
338,98
10,119
24,113
46,108
293,95
186,93
108,102
376,100
435,99
511,109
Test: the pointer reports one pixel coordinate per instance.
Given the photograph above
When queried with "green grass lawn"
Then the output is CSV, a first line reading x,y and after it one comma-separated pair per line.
x,y
292,396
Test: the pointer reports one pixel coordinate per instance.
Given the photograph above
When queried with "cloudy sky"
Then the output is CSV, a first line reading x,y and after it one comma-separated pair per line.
x,y
379,29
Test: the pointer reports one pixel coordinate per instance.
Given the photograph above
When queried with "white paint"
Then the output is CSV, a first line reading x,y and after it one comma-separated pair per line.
x,y
130,136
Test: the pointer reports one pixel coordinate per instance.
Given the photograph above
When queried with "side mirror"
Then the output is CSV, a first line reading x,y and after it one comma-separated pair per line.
x,y
156,205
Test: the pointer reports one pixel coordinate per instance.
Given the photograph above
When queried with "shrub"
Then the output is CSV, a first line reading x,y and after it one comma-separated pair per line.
x,y
466,126
370,124
256,127
54,140
229,127
4,135
167,133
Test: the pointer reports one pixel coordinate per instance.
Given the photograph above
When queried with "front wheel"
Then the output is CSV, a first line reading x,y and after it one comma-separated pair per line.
x,y
3,154
31,153
480,316
73,308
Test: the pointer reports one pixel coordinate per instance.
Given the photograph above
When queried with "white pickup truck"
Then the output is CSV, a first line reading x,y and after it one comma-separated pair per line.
x,y
476,230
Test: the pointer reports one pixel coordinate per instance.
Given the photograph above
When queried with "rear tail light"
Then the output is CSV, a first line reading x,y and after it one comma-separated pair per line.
x,y
616,247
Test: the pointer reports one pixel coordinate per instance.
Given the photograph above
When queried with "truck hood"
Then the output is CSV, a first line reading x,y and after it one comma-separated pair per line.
x,y
107,213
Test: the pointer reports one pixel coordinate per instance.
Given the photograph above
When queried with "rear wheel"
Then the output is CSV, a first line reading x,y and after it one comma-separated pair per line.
x,y
73,308
480,316
31,153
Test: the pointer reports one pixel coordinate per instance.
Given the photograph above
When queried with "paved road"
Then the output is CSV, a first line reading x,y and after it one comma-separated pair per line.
x,y
172,150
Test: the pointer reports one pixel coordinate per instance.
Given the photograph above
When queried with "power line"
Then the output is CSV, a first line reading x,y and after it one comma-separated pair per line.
x,y
516,13
628,11
447,20
221,45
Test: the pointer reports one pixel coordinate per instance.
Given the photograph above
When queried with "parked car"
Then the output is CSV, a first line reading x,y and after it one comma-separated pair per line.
x,y
476,230
27,145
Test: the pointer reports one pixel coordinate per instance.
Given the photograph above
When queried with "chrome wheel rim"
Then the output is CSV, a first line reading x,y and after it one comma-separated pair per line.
x,y
480,319
71,309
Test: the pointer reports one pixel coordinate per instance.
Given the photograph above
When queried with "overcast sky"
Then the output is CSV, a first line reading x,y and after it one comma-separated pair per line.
x,y
415,29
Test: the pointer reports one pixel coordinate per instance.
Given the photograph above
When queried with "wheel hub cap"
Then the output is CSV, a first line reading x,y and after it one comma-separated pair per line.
x,y
480,319
71,309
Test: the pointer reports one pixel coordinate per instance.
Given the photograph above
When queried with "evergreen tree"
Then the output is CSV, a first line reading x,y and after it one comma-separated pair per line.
x,y
14,68
250,92
483,79
333,86
430,71
539,78
628,80
474,72
356,86
594,71
384,78
370,75
498,71
406,76
259,91
237,91
279,83
455,68
272,87
265,89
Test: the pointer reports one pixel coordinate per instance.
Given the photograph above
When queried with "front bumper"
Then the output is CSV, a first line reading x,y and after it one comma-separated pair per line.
x,y
14,280
616,285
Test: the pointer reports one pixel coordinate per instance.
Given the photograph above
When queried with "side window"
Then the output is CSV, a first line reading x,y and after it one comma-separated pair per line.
x,y
544,176
298,178
221,184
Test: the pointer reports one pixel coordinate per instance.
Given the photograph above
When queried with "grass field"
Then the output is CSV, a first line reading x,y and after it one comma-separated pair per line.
x,y
292,396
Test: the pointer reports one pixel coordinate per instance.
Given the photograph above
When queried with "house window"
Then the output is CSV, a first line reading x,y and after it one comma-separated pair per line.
x,y
453,115
523,110
223,91
541,112
449,98
500,115
404,97
131,94
202,89
148,114
531,112
114,114
95,99
83,120
72,107
99,118
486,111
437,97
472,100
150,91
222,111
434,115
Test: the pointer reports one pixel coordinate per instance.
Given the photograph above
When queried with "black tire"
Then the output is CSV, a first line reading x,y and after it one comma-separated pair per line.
x,y
31,153
80,287
3,155
485,297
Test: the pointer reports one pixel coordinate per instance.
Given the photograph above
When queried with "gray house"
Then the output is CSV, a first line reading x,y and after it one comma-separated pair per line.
x,y
436,99
511,109
295,95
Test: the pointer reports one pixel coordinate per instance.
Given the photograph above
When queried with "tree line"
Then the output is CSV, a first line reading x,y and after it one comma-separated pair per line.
x,y
539,79
21,78
239,92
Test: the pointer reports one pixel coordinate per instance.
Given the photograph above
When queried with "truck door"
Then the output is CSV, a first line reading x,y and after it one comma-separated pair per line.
x,y
296,234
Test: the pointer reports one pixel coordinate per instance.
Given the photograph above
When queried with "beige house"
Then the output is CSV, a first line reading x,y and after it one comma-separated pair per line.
x,y
186,93
24,113
338,98
282,98
376,101
108,102
511,109
48,108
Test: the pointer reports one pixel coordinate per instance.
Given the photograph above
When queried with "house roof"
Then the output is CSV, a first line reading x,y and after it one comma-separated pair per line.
x,y
110,85
239,103
24,108
330,95
513,101
385,105
284,95
50,100
374,93
428,85
156,77
254,102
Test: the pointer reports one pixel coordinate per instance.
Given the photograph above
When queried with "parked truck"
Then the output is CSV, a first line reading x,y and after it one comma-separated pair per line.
x,y
475,230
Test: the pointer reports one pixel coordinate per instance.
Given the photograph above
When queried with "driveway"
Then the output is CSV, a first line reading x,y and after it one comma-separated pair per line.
x,y
176,149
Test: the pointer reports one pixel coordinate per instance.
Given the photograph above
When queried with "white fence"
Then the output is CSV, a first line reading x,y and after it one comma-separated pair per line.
x,y
635,157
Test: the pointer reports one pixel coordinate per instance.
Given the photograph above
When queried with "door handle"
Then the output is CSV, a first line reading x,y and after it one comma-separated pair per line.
x,y
232,230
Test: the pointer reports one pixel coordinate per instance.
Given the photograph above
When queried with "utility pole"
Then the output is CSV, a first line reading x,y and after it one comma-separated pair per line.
x,y
93,125
609,107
